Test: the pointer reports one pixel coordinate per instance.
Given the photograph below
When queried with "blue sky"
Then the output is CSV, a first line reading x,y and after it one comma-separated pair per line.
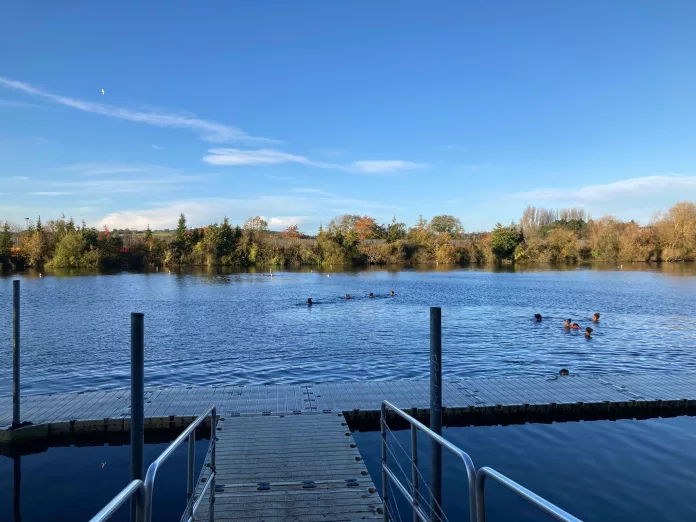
x,y
299,111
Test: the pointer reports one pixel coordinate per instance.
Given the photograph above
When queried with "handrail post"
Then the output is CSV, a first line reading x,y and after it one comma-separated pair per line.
x,y
480,497
191,465
436,411
16,420
385,496
414,470
213,441
137,412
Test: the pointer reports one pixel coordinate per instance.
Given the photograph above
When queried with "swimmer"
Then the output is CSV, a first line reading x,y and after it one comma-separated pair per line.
x,y
566,323
537,317
372,295
564,373
392,294
309,301
575,326
595,317
588,332
347,296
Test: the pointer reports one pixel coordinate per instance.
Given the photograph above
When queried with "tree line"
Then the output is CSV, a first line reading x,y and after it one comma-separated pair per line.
x,y
541,235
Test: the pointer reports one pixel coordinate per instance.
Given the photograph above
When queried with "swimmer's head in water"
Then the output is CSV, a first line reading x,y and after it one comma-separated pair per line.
x,y
566,323
372,294
595,317
392,293
309,301
575,326
537,317
564,372
347,296
588,332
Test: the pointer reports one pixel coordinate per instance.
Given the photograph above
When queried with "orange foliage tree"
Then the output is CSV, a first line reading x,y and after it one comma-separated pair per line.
x,y
366,228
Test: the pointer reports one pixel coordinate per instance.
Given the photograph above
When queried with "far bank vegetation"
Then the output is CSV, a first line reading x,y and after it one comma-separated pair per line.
x,y
541,236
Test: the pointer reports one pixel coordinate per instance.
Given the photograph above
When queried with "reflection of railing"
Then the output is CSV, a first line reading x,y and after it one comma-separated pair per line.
x,y
414,496
475,481
543,504
143,490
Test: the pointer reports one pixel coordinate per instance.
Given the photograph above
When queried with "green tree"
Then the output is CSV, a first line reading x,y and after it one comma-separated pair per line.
x,y
226,242
446,224
5,244
395,231
148,233
504,240
69,250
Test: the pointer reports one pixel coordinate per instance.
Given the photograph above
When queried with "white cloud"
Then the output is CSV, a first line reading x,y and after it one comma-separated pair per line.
x,y
15,178
157,147
635,187
317,191
385,166
49,193
236,157
256,157
209,130
283,222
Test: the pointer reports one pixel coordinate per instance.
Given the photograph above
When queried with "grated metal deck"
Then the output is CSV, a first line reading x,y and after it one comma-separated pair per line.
x,y
287,468
109,411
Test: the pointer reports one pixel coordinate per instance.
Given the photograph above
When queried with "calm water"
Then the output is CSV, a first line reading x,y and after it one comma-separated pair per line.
x,y
633,471
244,328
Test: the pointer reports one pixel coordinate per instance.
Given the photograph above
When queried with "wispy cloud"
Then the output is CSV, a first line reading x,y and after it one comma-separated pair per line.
x,y
157,147
104,169
49,193
642,186
310,190
385,166
14,104
15,178
208,130
236,157
257,157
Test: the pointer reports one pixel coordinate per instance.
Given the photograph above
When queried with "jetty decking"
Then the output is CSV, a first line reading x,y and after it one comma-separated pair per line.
x,y
289,467
109,411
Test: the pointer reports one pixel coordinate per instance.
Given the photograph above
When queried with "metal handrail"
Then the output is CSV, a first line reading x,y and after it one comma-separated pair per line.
x,y
413,498
152,470
133,487
145,489
534,499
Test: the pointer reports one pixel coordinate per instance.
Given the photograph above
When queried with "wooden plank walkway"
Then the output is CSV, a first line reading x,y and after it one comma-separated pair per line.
x,y
288,468
109,411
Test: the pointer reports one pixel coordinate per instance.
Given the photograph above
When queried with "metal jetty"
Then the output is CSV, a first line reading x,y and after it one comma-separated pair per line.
x,y
465,402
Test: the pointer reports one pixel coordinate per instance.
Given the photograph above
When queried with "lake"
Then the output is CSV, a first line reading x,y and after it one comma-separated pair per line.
x,y
223,327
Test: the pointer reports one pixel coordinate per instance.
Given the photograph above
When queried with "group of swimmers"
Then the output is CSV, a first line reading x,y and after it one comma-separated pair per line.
x,y
568,324
371,295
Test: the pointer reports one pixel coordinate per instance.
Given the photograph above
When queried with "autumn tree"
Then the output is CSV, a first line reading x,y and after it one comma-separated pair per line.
x,y
291,232
366,228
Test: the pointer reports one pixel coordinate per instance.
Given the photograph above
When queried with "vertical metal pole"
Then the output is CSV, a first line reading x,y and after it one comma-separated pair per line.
x,y
16,421
213,441
137,410
16,499
414,470
385,497
435,412
191,464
